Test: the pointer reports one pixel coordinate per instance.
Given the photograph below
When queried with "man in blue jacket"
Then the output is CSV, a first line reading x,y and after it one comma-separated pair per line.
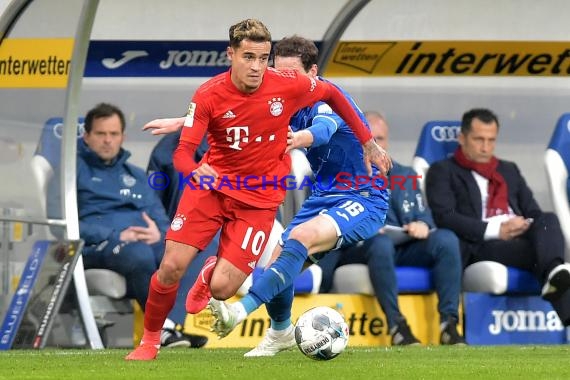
x,y
121,219
421,246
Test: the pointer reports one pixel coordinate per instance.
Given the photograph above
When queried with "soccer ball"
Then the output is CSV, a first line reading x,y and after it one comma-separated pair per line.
x,y
321,333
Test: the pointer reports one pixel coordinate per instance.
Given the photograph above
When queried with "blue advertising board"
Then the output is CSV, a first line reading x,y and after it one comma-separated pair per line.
x,y
513,319
156,58
19,302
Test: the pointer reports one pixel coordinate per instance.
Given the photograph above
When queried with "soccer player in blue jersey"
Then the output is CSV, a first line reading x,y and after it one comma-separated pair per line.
x,y
346,206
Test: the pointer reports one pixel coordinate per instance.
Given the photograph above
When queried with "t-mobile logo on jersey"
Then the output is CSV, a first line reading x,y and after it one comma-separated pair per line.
x,y
237,135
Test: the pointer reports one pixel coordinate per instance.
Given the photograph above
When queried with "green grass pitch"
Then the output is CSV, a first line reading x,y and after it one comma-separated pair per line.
x,y
498,362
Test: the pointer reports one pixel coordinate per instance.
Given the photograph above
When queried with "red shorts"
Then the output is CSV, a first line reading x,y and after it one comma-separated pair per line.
x,y
245,229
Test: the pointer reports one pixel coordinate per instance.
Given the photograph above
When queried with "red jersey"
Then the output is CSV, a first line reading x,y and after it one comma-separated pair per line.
x,y
247,133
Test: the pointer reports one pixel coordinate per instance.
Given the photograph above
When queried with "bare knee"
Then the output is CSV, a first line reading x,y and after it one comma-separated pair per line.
x,y
222,293
170,272
305,235
174,262
226,280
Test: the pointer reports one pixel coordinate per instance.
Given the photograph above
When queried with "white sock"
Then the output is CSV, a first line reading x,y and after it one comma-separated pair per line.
x,y
240,310
281,332
169,324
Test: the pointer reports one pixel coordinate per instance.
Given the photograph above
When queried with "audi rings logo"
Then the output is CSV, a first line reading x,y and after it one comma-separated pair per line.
x,y
442,133
58,130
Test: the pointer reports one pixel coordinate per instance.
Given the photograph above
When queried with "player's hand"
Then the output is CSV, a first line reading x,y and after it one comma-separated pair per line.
x,y
164,126
290,140
205,176
300,139
375,155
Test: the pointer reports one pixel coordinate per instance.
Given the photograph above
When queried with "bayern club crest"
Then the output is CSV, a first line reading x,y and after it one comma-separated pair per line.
x,y
177,222
276,106
128,180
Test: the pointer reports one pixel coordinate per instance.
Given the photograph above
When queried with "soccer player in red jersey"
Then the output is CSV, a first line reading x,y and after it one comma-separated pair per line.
x,y
246,113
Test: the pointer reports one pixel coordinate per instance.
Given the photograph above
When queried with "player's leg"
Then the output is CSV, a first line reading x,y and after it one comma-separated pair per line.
x,y
242,241
288,265
320,233
281,335
191,230
199,294
161,298
306,213
339,217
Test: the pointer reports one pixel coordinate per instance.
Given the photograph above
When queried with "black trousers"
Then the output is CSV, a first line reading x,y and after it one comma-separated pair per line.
x,y
538,250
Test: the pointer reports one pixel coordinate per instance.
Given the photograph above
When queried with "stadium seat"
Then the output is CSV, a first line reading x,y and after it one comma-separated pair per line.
x,y
438,140
354,278
107,289
492,277
557,163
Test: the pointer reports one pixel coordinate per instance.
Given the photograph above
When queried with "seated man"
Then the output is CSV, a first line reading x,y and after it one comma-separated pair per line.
x,y
489,206
121,219
435,249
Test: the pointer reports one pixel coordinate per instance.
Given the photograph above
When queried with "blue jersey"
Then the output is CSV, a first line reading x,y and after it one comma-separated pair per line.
x,y
336,156
356,203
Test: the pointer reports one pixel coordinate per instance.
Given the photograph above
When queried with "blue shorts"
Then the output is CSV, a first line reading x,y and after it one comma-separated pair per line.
x,y
356,217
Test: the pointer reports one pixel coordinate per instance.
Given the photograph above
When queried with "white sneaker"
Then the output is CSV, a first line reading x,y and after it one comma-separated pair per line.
x,y
225,317
557,283
273,342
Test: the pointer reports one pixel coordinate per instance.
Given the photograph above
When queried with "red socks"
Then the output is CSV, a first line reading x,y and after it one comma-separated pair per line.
x,y
160,301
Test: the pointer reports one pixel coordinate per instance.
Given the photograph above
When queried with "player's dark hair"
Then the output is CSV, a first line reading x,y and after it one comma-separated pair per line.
x,y
250,29
485,115
297,46
103,110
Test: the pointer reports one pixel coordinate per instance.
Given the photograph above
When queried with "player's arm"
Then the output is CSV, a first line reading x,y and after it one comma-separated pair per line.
x,y
324,125
373,154
183,158
338,102
195,127
164,126
319,133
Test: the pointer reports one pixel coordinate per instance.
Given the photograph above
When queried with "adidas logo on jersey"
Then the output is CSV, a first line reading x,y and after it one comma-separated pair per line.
x,y
228,115
251,264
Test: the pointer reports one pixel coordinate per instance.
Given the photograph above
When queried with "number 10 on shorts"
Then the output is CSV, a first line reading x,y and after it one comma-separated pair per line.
x,y
256,242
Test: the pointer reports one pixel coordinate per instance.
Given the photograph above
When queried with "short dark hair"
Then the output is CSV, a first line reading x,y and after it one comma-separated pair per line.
x,y
249,29
103,110
297,46
485,115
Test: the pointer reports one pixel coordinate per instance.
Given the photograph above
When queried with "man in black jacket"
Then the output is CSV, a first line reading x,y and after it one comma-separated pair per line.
x,y
488,204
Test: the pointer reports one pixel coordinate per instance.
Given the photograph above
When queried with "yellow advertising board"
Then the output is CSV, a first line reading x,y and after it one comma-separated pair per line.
x,y
365,319
449,58
35,63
